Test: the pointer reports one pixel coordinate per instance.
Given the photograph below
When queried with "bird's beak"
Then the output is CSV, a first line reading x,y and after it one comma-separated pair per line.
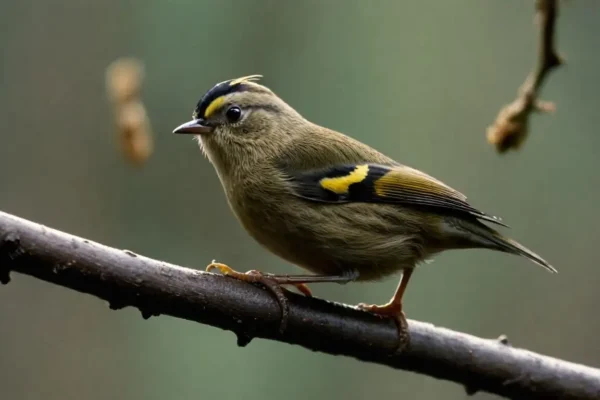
x,y
194,127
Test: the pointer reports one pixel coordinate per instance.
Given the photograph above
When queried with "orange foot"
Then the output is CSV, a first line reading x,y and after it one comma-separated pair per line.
x,y
391,310
268,281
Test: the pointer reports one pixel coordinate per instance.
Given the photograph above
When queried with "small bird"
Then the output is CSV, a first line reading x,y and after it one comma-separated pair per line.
x,y
327,202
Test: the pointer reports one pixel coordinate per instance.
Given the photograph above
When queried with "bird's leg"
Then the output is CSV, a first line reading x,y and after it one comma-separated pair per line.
x,y
393,308
274,284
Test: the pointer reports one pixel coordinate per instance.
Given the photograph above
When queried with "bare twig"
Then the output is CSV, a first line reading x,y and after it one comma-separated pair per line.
x,y
512,123
125,279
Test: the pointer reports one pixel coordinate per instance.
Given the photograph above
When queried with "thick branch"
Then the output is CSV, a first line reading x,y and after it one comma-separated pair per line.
x,y
127,279
512,123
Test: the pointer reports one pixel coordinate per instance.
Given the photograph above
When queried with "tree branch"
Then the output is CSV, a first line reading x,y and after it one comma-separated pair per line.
x,y
512,123
127,279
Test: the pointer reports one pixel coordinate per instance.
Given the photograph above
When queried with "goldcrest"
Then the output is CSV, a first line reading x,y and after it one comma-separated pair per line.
x,y
326,202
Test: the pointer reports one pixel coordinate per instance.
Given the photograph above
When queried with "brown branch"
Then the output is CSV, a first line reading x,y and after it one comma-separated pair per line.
x,y
512,123
127,279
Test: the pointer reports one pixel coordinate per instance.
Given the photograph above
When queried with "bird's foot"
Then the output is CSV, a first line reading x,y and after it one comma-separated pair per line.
x,y
267,280
256,276
391,310
386,310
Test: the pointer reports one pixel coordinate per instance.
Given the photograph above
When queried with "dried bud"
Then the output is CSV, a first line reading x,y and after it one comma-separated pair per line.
x,y
134,132
123,82
124,79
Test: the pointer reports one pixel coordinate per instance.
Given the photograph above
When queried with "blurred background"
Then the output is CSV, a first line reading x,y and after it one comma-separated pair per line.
x,y
419,80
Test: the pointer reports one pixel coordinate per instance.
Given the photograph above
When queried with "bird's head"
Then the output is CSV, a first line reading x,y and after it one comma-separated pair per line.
x,y
241,116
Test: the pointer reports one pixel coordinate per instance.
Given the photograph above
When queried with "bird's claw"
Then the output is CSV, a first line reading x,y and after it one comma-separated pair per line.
x,y
267,280
394,311
254,275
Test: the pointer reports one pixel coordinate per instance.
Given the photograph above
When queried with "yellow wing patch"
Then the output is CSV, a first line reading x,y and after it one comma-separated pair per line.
x,y
341,184
374,183
214,106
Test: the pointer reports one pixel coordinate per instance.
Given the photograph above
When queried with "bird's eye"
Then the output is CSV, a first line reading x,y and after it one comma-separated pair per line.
x,y
233,114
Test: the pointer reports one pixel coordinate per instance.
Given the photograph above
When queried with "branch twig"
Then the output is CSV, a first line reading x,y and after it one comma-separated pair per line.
x,y
127,279
512,123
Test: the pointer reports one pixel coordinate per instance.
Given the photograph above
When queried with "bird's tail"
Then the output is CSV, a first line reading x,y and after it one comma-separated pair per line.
x,y
482,236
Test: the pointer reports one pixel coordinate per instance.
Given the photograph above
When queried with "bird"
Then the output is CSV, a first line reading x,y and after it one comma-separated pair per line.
x,y
328,203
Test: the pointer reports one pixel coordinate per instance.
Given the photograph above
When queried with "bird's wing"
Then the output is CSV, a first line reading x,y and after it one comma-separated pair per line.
x,y
374,183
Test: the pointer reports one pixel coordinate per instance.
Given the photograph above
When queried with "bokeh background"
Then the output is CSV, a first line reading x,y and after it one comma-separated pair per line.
x,y
419,80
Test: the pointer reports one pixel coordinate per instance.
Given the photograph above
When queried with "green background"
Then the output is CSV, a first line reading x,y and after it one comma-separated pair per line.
x,y
419,80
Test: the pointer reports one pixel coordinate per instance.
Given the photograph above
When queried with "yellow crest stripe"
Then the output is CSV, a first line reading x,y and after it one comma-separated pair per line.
x,y
341,184
212,107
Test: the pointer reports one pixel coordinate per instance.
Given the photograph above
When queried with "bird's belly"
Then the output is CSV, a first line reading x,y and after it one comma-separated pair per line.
x,y
327,240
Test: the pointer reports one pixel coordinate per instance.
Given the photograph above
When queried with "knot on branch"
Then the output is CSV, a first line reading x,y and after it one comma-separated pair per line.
x,y
10,250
